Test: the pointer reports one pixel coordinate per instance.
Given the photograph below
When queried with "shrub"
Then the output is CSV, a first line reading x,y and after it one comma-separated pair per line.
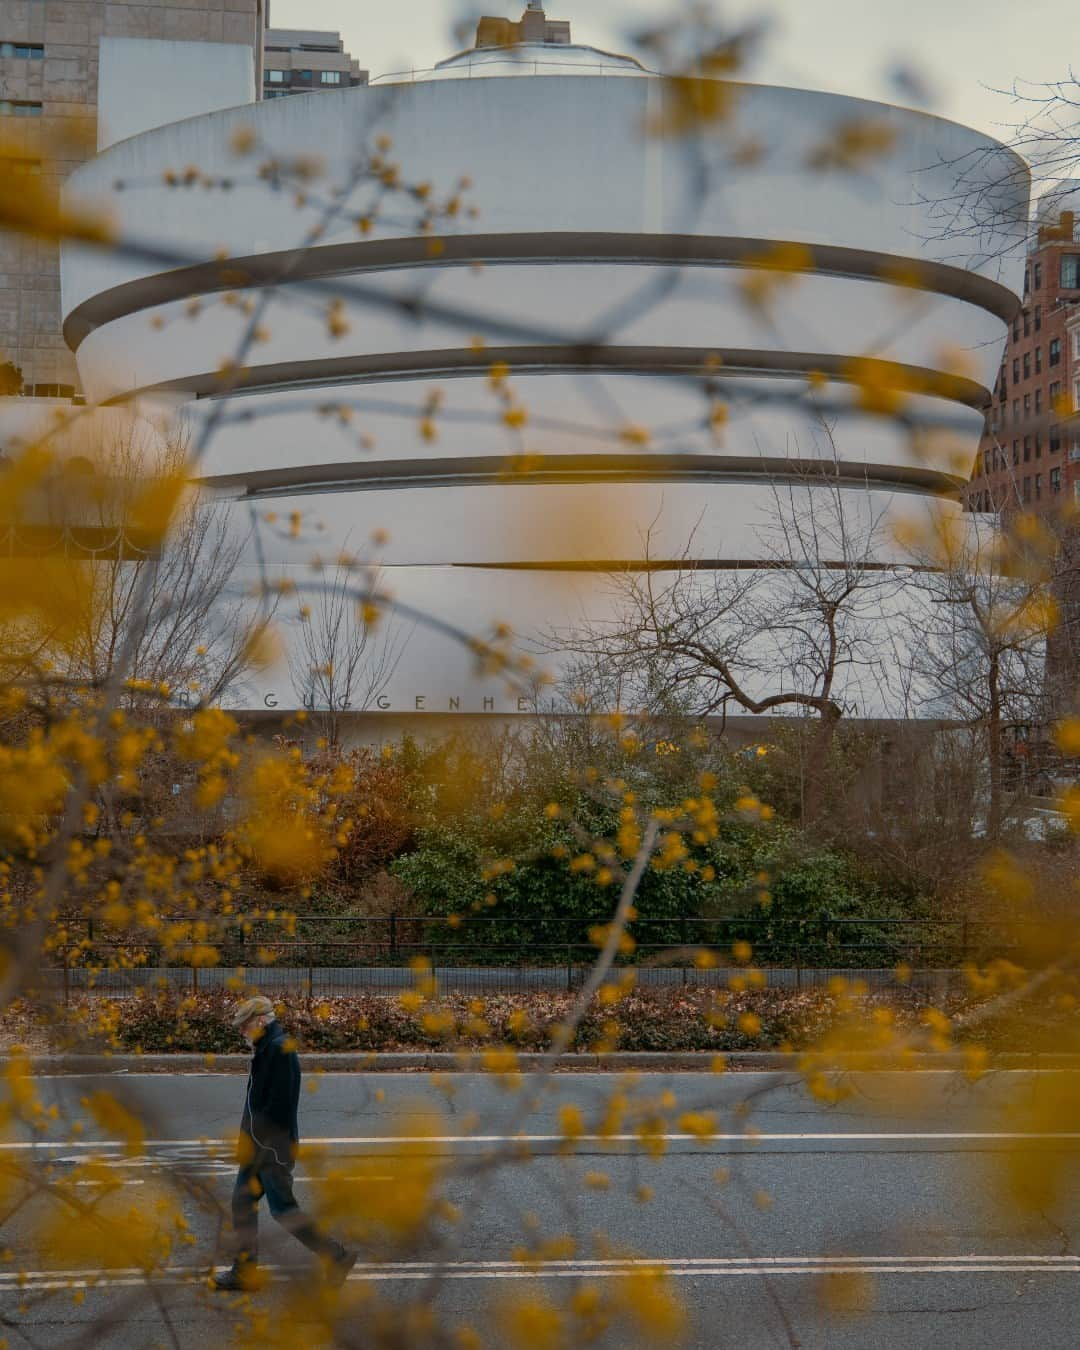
x,y
376,803
653,1020
515,901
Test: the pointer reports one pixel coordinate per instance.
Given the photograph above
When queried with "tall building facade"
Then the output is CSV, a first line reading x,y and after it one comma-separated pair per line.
x,y
1029,454
302,61
49,62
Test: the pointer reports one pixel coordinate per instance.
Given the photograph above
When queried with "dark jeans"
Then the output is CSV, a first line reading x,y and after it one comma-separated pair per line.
x,y
266,1176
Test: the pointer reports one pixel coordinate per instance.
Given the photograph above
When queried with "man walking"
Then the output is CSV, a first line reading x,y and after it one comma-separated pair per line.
x,y
268,1139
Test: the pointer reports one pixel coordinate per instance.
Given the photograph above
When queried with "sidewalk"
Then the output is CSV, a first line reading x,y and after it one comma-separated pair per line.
x,y
774,1061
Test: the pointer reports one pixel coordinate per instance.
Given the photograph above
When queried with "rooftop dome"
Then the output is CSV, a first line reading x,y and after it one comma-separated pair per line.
x,y
525,58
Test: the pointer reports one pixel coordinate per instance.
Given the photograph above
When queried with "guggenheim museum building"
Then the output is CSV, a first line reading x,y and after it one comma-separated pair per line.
x,y
537,318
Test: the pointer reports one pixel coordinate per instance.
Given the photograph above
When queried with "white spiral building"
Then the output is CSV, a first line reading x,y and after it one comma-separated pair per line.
x,y
614,270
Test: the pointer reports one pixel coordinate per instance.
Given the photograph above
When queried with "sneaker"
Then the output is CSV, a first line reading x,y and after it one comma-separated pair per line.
x,y
337,1271
237,1279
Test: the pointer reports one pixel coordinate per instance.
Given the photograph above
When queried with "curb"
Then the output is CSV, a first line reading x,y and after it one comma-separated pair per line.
x,y
448,1062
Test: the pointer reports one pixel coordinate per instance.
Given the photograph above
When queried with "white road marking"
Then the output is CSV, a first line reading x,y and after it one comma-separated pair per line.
x,y
748,1137
679,1267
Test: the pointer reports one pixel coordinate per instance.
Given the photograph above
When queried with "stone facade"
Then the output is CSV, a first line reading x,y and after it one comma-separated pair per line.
x,y
48,103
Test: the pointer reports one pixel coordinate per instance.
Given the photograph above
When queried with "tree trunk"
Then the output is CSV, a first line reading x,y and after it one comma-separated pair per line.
x,y
816,767
993,735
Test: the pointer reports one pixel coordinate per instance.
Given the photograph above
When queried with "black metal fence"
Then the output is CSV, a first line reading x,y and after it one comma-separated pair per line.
x,y
313,982
374,953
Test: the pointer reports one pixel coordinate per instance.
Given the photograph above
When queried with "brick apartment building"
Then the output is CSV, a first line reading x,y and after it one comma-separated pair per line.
x,y
1029,455
49,83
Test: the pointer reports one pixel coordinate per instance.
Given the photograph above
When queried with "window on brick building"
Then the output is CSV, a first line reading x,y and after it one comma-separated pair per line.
x,y
1027,365
1016,370
1038,360
1016,411
1027,323
1070,270
1027,406
1054,352
1038,486
1038,402
1038,282
1016,330
26,51
1076,344
1027,280
1038,317
1027,489
1054,439
1016,452
1055,480
1027,449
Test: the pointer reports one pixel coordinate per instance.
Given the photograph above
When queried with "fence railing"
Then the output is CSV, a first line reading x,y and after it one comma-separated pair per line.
x,y
531,938
309,982
519,952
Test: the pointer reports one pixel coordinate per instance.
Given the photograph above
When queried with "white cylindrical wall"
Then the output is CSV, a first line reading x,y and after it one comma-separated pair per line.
x,y
621,285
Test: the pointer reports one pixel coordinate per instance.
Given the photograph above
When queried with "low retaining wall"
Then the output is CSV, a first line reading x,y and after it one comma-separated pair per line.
x,y
326,981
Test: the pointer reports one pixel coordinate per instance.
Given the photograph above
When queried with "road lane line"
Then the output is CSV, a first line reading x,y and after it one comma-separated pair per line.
x,y
789,1259
751,1137
685,1268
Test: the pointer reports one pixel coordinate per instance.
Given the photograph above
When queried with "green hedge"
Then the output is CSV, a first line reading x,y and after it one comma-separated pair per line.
x,y
770,889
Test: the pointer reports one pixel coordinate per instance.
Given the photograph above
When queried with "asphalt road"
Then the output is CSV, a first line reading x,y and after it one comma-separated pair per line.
x,y
878,1222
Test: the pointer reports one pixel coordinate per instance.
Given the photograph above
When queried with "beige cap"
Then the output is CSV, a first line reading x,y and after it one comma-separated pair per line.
x,y
259,1006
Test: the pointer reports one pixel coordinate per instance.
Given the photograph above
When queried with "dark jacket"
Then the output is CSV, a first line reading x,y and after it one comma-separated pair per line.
x,y
273,1095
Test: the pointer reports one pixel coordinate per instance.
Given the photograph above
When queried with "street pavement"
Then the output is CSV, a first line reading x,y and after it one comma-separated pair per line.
x,y
880,1221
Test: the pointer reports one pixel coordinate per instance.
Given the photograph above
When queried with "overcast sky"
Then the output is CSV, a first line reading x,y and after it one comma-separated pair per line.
x,y
963,52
